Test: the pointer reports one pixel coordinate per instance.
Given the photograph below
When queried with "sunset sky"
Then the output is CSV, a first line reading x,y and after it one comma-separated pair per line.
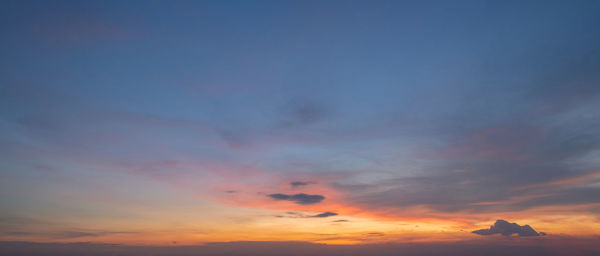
x,y
334,122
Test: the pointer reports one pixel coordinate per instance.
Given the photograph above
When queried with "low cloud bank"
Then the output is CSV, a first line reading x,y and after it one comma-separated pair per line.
x,y
561,246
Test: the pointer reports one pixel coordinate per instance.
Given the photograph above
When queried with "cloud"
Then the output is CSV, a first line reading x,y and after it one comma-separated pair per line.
x,y
324,215
506,229
300,183
341,221
301,198
303,215
510,168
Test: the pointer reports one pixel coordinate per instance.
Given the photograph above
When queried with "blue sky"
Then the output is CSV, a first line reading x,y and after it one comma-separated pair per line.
x,y
386,105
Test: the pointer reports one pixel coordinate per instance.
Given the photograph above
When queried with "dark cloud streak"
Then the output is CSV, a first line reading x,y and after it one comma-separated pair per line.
x,y
324,215
300,183
303,199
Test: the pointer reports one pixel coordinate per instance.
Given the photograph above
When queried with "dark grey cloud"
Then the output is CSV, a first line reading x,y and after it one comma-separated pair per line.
x,y
300,183
303,215
506,228
301,198
324,215
341,221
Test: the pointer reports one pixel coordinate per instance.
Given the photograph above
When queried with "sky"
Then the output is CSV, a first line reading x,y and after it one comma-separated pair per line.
x,y
170,123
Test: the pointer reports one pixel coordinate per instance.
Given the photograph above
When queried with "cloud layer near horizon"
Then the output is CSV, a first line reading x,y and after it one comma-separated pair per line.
x,y
548,248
